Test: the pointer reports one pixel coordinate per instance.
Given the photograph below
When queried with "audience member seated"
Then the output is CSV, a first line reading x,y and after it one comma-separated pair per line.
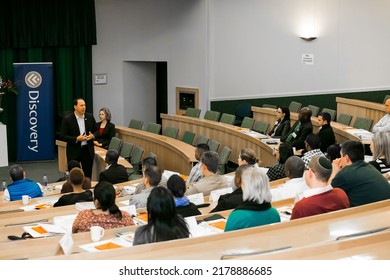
x,y
67,186
333,152
152,161
384,123
163,221
321,196
325,132
248,156
151,178
256,209
211,180
361,181
234,199
282,124
296,185
115,173
76,178
184,207
107,214
312,147
302,127
380,148
276,172
106,129
21,186
196,171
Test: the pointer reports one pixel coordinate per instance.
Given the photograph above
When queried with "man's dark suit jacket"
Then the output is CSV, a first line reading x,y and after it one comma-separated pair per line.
x,y
298,142
115,174
70,130
108,133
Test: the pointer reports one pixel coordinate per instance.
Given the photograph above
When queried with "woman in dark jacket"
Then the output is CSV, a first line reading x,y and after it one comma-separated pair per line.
x,y
106,129
282,125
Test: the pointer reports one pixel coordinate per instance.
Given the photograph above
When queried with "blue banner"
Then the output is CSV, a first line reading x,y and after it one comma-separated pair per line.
x,y
34,111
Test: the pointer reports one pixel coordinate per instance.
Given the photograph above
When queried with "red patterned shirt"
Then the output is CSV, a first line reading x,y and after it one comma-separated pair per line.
x,y
87,218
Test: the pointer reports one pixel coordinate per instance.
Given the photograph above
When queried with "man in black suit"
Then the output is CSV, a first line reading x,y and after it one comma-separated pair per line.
x,y
300,130
78,131
115,173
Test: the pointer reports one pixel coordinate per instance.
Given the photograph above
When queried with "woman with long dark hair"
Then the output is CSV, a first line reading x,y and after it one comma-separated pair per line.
x,y
163,221
107,214
282,124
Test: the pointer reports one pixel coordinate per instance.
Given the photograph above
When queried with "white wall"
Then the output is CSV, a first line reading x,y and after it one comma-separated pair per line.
x,y
242,49
149,30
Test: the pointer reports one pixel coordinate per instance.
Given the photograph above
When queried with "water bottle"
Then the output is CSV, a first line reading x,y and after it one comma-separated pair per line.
x,y
44,180
4,185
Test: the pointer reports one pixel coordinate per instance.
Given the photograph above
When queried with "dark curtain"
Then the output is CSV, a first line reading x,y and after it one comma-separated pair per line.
x,y
61,32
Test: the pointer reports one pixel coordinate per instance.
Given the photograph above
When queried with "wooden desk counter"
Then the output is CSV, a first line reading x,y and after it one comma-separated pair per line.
x,y
309,230
172,154
226,135
360,108
99,163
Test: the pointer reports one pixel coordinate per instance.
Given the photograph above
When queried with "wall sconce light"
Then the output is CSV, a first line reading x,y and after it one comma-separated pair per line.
x,y
308,38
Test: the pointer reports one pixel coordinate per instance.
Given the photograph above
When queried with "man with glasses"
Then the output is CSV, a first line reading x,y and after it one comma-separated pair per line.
x,y
361,181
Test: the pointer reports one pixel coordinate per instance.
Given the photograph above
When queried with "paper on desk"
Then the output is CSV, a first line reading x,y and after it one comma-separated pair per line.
x,y
34,207
229,177
196,199
214,195
168,173
254,134
271,140
361,133
48,200
215,226
65,222
66,243
129,209
129,189
113,243
43,230
197,230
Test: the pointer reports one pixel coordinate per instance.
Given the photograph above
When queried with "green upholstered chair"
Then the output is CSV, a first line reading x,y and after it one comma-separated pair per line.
x,y
363,123
188,137
136,124
223,159
227,118
115,144
153,128
126,150
171,132
201,139
192,112
331,112
212,116
247,122
260,126
135,161
214,145
314,110
344,119
295,106
272,106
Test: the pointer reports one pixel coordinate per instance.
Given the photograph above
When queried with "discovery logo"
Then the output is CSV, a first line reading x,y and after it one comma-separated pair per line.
x,y
33,79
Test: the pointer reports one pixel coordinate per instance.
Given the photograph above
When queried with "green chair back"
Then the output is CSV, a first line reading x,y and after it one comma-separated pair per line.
x,y
363,123
223,159
314,110
265,105
126,150
171,132
260,126
212,116
188,137
154,128
214,145
201,140
136,124
192,112
295,106
247,122
227,118
331,112
344,119
115,144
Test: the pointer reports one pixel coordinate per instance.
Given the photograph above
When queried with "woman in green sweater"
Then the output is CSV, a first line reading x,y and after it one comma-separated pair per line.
x,y
256,209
